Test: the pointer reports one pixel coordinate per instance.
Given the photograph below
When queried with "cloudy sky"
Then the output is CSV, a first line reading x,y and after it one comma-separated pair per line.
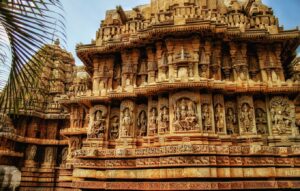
x,y
83,17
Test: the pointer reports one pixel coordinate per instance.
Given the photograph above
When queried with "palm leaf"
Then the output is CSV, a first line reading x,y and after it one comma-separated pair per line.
x,y
25,27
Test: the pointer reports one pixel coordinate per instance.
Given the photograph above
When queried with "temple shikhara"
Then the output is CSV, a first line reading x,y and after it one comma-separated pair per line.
x,y
173,95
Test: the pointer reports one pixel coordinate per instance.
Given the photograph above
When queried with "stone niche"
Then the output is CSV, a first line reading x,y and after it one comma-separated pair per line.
x,y
114,127
128,119
282,116
185,112
98,125
246,115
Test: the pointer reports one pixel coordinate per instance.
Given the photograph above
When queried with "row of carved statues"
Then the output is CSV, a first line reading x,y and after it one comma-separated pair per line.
x,y
189,112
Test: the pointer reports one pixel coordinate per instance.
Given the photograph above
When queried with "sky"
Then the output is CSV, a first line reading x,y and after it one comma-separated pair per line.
x,y
83,17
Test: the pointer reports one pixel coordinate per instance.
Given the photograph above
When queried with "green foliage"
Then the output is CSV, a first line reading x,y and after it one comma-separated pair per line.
x,y
25,27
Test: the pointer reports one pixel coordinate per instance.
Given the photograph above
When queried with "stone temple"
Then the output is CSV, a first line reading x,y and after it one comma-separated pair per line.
x,y
174,95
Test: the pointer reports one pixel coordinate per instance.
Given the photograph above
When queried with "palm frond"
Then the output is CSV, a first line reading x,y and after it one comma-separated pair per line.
x,y
25,27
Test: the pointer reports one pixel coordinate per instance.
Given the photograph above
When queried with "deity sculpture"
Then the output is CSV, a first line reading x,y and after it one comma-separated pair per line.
x,y
114,130
231,121
206,118
246,118
261,121
48,155
281,115
127,122
97,129
185,115
219,118
142,124
153,122
64,155
164,120
31,152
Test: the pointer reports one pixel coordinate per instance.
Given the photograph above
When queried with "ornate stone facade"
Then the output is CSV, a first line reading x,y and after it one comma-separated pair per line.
x,y
175,91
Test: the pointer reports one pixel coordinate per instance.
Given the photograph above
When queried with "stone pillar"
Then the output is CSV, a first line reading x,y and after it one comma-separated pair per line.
x,y
152,65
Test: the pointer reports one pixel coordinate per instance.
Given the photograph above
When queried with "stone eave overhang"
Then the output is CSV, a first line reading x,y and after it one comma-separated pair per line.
x,y
29,140
154,33
227,88
32,113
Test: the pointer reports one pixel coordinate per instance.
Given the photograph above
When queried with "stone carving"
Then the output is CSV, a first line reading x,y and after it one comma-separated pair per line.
x,y
231,118
261,121
127,118
74,144
219,118
97,126
114,128
153,122
142,124
206,118
246,115
64,156
164,119
261,117
282,115
127,122
31,152
219,113
185,115
49,154
6,125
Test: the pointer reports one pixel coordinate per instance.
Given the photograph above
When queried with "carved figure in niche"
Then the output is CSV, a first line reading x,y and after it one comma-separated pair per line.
x,y
261,121
31,152
164,119
97,129
231,121
246,118
48,155
142,124
114,130
219,118
206,118
74,145
153,122
185,115
127,122
64,155
117,75
281,114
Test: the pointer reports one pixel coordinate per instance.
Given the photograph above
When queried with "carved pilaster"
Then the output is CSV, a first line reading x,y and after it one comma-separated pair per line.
x,y
152,65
